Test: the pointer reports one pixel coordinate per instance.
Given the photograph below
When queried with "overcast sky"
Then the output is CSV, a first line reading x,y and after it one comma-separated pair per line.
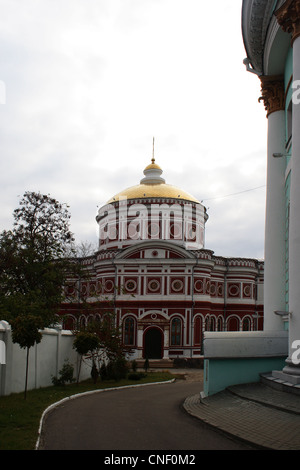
x,y
90,82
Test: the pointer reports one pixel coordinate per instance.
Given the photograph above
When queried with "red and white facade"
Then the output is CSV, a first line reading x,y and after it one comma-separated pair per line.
x,y
165,288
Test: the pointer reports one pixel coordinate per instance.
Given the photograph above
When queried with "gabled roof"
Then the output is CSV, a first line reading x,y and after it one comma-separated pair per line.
x,y
153,250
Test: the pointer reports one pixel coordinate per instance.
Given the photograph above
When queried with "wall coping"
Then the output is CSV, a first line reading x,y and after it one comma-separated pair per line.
x,y
244,344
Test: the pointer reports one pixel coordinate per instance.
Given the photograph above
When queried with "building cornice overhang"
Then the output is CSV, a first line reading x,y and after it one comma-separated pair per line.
x,y
256,18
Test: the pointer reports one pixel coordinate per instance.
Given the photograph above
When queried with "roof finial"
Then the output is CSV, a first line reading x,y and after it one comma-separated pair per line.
x,y
153,159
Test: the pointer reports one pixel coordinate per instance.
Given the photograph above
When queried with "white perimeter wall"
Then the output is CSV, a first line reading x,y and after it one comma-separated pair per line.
x,y
45,360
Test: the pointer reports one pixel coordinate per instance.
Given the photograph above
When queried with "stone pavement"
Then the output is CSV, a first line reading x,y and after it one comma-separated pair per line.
x,y
254,413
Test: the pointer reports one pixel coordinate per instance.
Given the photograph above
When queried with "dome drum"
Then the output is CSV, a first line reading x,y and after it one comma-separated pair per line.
x,y
152,211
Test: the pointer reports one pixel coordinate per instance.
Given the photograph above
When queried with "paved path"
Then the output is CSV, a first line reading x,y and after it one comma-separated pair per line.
x,y
141,418
255,413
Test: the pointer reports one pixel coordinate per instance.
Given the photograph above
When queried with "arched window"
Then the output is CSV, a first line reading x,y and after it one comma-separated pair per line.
x,y
69,323
128,332
82,322
246,324
233,324
198,331
212,326
176,332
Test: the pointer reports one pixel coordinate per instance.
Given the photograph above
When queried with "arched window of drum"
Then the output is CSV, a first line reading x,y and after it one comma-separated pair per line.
x,y
212,326
176,332
129,331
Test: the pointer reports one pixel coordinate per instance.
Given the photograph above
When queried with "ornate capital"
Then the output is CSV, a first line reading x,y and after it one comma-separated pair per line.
x,y
288,17
272,93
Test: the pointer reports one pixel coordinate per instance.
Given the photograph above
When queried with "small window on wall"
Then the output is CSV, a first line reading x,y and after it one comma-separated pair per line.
x,y
176,332
128,334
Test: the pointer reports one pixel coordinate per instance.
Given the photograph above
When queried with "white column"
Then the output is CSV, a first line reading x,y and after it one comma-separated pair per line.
x,y
294,235
166,335
274,269
140,333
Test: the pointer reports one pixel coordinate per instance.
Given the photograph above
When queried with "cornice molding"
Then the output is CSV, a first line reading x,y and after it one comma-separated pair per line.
x,y
256,17
273,94
288,17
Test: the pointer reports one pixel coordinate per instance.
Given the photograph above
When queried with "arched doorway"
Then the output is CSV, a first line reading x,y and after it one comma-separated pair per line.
x,y
153,343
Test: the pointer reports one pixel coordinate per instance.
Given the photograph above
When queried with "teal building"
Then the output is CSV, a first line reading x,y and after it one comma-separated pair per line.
x,y
271,36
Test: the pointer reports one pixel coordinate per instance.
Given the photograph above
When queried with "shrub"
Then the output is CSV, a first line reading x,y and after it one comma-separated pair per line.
x,y
136,376
66,375
103,372
119,369
116,370
94,373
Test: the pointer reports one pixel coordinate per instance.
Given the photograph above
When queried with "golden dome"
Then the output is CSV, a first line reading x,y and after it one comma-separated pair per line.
x,y
144,191
153,186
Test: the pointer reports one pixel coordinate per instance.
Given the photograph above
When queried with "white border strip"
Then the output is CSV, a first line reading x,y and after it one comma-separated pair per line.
x,y
71,397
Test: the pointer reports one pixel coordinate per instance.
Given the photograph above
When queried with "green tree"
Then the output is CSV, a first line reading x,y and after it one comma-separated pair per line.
x,y
100,342
33,266
25,332
110,347
85,342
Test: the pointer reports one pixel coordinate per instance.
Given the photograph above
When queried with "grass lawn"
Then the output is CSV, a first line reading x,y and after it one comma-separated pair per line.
x,y
20,418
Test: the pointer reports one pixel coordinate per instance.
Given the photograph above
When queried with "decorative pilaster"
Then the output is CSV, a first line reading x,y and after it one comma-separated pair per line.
x,y
288,17
272,93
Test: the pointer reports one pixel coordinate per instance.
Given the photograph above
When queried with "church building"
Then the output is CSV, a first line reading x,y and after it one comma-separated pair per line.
x,y
166,289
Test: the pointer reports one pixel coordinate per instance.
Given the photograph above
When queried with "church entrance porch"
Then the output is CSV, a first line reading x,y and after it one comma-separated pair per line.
x,y
153,343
